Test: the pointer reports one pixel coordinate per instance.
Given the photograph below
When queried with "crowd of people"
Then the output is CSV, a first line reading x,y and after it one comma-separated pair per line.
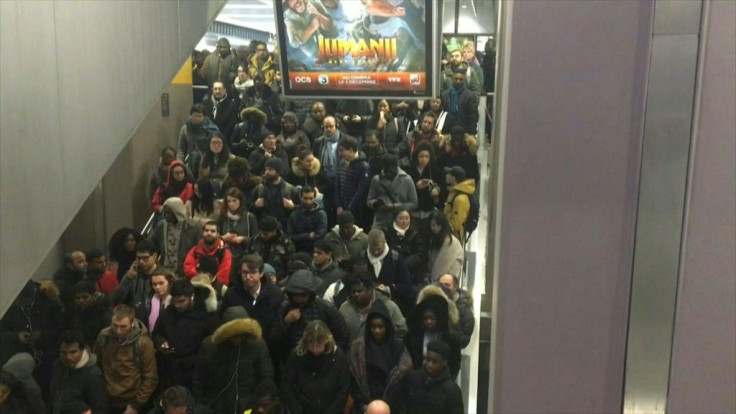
x,y
306,259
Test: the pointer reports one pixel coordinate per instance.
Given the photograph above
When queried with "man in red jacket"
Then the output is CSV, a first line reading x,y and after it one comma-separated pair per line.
x,y
209,256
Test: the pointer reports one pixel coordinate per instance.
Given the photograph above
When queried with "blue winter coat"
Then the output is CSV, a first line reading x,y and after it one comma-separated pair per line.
x,y
303,221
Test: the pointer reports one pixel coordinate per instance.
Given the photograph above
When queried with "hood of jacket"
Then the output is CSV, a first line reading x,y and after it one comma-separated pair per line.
x,y
170,171
253,113
296,168
302,281
241,326
177,207
311,209
205,293
138,330
432,296
466,186
21,366
379,310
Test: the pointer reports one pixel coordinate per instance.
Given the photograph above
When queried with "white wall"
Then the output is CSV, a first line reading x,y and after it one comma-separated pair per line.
x,y
76,79
703,367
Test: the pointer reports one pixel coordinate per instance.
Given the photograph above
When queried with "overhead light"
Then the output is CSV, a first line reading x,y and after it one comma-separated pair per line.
x,y
249,6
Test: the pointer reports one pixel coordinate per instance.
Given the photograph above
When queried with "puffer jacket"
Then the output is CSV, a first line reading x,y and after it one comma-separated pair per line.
x,y
400,192
90,321
351,186
302,222
79,384
226,374
129,367
275,251
410,246
417,393
457,208
464,304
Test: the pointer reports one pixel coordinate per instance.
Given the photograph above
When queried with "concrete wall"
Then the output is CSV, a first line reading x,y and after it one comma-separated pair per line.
x,y
569,137
76,79
703,366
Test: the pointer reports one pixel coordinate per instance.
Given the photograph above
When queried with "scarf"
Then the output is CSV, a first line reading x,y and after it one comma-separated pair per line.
x,y
156,307
171,244
401,232
329,153
377,261
233,217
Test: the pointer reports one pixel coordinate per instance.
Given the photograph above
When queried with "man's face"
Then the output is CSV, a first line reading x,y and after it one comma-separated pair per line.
x,y
360,294
262,52
146,261
450,180
122,327
390,171
427,124
456,58
70,354
79,263
268,235
251,276
377,248
346,154
270,174
308,199
97,266
182,303
371,141
347,230
330,126
433,363
168,157
169,215
320,257
300,299
83,300
435,105
319,112
196,118
448,283
223,49
269,143
458,80
218,90
210,234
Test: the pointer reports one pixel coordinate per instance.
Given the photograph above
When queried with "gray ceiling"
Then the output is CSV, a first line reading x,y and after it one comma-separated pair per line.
x,y
254,14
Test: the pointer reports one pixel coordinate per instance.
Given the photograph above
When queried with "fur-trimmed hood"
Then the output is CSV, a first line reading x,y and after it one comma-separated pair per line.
x,y
253,113
242,326
433,290
297,169
49,289
203,290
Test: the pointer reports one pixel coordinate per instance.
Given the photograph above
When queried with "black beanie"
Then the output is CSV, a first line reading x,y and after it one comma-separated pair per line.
x,y
440,347
276,164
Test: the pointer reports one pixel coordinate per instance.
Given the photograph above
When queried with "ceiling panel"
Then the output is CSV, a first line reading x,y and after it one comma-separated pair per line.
x,y
254,14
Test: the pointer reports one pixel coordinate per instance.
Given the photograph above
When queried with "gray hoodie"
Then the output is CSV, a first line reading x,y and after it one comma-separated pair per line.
x,y
400,192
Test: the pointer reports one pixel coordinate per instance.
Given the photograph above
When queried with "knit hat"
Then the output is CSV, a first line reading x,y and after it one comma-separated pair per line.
x,y
440,347
457,171
345,218
276,164
268,269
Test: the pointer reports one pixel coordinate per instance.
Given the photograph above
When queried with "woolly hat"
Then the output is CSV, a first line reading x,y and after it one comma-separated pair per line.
x,y
268,223
268,269
440,347
345,218
276,164
457,172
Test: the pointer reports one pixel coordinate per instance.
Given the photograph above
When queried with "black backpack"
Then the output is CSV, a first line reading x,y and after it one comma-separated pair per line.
x,y
472,221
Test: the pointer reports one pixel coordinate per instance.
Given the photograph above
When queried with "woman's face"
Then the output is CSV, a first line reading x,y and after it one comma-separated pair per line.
x,y
317,348
289,125
242,74
403,220
307,162
130,243
429,320
434,227
178,173
233,204
423,158
384,107
378,330
160,285
216,145
435,104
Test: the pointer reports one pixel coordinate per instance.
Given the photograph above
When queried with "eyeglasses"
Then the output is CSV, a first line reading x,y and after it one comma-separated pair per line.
x,y
142,258
260,50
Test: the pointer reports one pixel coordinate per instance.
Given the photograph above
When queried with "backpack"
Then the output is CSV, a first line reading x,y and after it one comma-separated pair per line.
x,y
471,223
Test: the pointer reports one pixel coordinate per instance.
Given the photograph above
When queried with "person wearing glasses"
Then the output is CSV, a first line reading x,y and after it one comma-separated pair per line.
x,y
135,288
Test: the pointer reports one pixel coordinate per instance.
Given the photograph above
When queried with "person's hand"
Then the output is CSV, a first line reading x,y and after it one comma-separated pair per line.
x,y
166,349
384,288
312,235
339,210
357,118
293,316
260,202
228,237
130,410
388,205
435,192
422,184
133,271
239,239
288,204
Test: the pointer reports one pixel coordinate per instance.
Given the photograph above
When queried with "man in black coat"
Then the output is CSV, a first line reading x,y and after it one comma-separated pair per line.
x,y
390,270
75,378
222,109
429,389
462,103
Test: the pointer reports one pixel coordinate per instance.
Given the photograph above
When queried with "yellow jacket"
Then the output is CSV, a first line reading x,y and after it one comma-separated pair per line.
x,y
457,207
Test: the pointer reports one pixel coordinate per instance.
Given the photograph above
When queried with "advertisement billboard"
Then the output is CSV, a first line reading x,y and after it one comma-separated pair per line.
x,y
357,48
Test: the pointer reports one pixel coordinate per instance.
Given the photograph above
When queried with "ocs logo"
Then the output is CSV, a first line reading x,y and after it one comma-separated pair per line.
x,y
302,79
323,79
